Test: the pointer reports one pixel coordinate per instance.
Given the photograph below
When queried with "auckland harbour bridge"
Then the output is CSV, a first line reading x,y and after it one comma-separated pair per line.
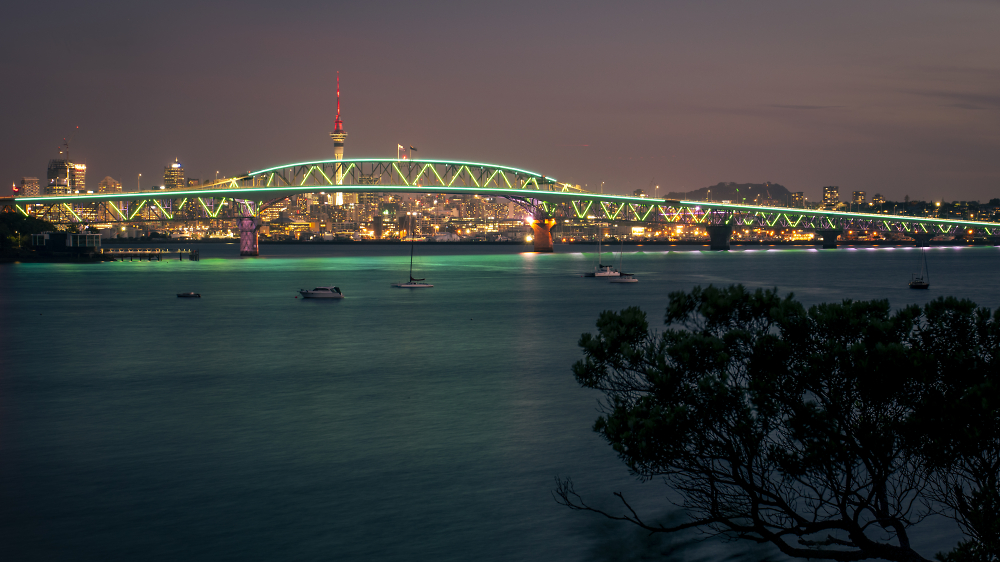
x,y
546,201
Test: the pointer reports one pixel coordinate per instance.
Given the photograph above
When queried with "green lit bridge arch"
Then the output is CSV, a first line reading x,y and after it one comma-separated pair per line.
x,y
242,198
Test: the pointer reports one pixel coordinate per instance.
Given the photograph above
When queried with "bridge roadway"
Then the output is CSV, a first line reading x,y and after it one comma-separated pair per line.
x,y
544,198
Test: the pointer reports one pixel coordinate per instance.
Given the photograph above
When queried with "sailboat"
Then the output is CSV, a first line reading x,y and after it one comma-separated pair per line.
x,y
622,276
412,283
602,270
923,281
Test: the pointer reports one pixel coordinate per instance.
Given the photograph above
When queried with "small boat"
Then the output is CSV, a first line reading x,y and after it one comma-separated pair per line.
x,y
412,283
602,270
625,278
188,295
922,281
322,293
622,276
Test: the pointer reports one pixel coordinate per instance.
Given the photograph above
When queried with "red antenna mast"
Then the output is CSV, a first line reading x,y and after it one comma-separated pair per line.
x,y
338,126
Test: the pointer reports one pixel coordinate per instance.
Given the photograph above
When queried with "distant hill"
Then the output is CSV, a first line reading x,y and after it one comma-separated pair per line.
x,y
736,192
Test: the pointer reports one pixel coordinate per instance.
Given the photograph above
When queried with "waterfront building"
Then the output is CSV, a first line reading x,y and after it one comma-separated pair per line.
x,y
109,185
797,200
831,196
193,182
29,188
878,199
858,198
173,176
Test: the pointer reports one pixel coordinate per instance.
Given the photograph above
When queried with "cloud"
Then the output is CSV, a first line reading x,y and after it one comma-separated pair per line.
x,y
809,107
963,100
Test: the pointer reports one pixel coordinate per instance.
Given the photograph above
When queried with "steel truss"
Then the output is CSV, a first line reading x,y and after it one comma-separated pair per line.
x,y
229,199
430,174
160,209
702,214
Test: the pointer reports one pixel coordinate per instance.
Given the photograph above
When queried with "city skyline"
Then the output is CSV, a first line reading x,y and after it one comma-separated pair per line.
x,y
898,99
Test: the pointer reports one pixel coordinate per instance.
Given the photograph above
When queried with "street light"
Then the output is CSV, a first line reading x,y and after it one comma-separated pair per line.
x,y
138,183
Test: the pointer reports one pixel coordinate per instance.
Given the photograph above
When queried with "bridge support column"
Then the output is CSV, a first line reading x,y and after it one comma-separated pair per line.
x,y
541,229
922,239
720,235
829,237
248,236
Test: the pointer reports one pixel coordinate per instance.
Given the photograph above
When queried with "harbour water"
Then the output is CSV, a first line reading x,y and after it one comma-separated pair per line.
x,y
392,425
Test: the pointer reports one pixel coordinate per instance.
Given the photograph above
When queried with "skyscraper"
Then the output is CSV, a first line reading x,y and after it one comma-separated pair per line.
x,y
79,178
173,176
65,177
831,196
109,185
338,135
29,188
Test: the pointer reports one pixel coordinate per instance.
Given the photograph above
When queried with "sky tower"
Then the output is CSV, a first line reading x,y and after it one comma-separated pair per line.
x,y
338,135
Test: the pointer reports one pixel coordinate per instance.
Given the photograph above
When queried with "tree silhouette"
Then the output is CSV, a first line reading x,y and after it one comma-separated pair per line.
x,y
782,425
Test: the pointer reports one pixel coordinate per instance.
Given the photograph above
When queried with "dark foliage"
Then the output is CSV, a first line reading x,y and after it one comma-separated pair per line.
x,y
807,429
14,225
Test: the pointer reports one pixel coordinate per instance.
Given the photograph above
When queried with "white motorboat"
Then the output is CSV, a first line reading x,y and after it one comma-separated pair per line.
x,y
625,278
322,293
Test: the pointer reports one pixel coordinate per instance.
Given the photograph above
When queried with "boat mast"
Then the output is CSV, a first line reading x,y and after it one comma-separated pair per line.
x,y
926,272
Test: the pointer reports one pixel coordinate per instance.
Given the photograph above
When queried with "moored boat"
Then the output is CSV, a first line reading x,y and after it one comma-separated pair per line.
x,y
922,281
625,278
412,283
322,293
602,270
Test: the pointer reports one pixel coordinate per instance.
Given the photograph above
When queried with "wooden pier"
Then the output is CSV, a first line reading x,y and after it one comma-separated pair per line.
x,y
151,254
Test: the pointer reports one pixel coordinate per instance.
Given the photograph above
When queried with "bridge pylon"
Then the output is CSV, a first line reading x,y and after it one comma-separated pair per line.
x,y
829,237
541,228
249,227
720,235
921,239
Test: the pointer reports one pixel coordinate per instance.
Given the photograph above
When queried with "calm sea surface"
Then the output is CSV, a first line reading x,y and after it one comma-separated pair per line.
x,y
393,425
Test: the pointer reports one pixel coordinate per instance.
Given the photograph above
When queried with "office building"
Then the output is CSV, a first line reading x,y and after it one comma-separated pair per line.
x,y
109,185
831,196
797,200
173,176
65,177
29,188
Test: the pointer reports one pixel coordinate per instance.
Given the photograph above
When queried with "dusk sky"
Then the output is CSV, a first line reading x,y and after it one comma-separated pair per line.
x,y
896,97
